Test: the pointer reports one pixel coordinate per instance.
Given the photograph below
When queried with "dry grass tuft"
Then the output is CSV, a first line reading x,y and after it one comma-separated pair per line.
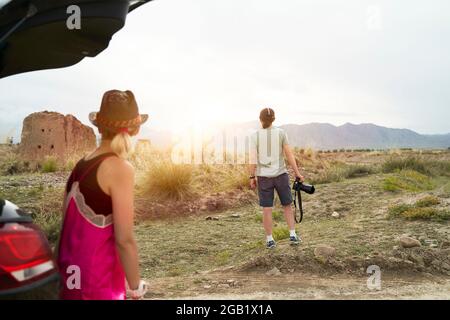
x,y
168,181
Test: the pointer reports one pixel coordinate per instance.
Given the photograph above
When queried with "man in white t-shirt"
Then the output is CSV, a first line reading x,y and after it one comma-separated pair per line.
x,y
269,147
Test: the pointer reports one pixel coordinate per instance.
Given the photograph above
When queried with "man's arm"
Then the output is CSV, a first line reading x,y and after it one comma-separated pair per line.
x,y
291,160
252,170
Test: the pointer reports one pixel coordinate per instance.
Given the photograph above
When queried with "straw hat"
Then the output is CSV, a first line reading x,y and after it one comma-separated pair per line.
x,y
118,111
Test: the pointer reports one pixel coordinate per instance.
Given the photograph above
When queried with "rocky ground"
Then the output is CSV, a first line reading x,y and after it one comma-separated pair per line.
x,y
213,247
222,255
228,286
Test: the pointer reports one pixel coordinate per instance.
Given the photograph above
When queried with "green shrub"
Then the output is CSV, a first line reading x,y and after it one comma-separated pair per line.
x,y
50,164
398,164
422,210
337,172
50,223
427,167
427,201
46,210
426,213
70,164
340,171
254,244
175,271
408,180
439,168
398,210
446,190
277,216
11,165
166,180
223,257
355,171
280,233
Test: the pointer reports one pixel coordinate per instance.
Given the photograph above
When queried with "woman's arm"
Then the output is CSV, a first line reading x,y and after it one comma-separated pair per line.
x,y
121,188
291,160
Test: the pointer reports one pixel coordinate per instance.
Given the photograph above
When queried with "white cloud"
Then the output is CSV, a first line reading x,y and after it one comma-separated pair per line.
x,y
219,60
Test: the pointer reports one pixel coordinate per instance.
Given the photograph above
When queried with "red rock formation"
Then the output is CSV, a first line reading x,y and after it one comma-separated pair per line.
x,y
53,134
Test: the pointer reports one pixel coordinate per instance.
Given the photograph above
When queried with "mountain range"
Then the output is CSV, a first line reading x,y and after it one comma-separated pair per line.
x,y
324,136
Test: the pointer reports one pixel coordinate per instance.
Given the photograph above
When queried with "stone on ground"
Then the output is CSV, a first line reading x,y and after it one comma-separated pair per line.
x,y
324,252
274,272
408,242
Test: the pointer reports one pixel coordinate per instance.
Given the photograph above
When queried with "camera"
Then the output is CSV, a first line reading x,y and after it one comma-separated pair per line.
x,y
300,186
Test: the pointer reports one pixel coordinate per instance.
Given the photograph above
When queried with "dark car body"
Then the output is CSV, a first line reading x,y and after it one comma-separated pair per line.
x,y
34,34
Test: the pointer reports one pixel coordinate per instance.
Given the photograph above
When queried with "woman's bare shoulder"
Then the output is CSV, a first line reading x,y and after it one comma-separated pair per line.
x,y
118,167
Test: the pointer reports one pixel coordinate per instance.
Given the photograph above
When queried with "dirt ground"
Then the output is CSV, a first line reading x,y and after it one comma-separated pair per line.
x,y
228,286
225,258
219,252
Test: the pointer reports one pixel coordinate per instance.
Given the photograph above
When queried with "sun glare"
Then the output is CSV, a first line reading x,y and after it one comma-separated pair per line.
x,y
201,119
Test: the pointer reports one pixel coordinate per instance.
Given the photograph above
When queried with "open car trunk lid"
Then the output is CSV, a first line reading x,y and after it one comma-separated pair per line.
x,y
34,34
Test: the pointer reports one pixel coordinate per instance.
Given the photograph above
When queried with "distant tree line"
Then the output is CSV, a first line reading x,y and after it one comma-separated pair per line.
x,y
342,150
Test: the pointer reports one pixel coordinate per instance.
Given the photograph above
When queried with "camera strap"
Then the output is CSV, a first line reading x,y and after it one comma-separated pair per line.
x,y
298,196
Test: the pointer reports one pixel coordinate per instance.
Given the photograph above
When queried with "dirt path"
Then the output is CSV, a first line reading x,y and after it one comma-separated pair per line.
x,y
297,286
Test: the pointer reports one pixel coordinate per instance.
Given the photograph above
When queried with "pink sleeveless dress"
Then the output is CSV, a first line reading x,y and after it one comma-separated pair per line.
x,y
88,260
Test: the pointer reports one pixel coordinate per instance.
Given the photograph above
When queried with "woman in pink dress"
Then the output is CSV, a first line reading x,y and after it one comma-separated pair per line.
x,y
97,254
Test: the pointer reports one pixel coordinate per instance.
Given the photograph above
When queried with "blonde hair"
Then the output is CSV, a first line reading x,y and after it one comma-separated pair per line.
x,y
121,141
121,144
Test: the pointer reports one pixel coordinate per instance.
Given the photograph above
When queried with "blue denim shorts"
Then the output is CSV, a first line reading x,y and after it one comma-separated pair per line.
x,y
266,187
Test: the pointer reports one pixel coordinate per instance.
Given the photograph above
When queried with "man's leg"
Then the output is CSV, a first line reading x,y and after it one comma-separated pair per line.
x,y
266,194
289,216
284,193
267,220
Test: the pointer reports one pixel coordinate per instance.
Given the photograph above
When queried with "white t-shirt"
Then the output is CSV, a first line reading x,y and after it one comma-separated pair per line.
x,y
267,146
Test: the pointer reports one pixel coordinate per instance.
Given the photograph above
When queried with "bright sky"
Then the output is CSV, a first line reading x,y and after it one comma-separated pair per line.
x,y
3,2
211,61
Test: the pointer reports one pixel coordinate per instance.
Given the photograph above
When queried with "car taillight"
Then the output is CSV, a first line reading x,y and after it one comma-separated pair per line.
x,y
24,252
